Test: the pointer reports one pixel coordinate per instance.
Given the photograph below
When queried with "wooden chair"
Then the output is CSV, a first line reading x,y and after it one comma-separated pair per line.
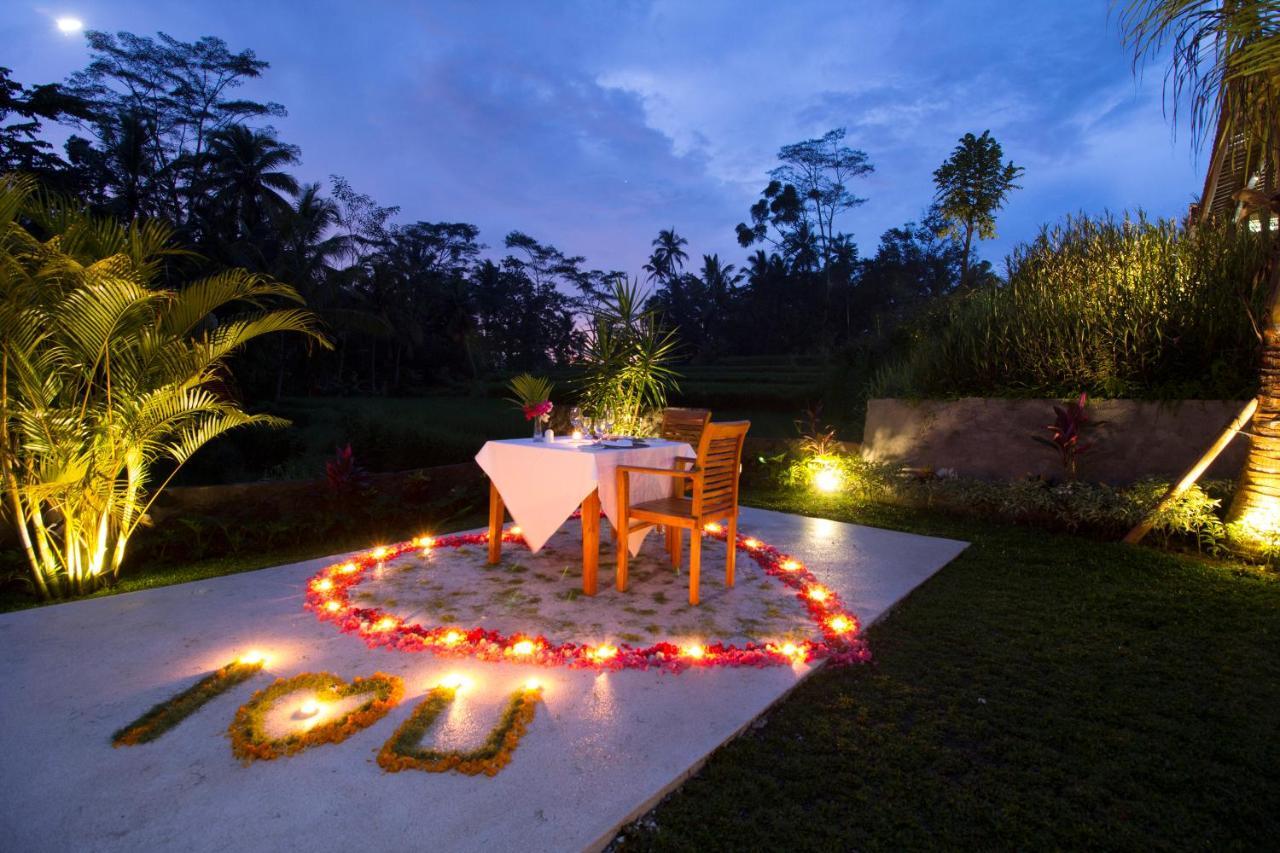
x,y
714,477
685,425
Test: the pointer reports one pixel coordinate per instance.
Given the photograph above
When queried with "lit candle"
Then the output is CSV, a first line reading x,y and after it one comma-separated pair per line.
x,y
577,435
309,709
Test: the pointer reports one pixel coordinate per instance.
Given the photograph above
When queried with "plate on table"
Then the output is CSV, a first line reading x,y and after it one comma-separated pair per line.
x,y
623,443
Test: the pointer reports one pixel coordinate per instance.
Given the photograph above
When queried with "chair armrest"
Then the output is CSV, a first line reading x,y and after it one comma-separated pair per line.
x,y
665,472
687,460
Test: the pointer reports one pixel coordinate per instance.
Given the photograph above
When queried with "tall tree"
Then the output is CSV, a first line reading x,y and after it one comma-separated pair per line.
x,y
806,194
1225,69
22,112
177,95
246,177
668,256
973,184
720,285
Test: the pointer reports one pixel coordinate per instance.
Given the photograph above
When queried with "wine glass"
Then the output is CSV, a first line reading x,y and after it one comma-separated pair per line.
x,y
575,420
607,426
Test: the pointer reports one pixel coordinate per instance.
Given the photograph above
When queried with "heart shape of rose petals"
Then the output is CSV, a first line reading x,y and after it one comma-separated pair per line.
x,y
250,741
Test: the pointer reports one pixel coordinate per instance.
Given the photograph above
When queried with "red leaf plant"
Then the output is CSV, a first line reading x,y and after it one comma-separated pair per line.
x,y
1068,431
346,478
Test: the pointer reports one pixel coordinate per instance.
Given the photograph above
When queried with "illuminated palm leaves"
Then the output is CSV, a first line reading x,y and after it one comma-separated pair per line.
x,y
106,372
629,354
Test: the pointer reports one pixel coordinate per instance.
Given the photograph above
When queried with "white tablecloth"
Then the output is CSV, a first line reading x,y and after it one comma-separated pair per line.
x,y
542,483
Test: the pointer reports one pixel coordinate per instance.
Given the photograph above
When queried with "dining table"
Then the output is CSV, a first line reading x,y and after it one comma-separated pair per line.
x,y
542,482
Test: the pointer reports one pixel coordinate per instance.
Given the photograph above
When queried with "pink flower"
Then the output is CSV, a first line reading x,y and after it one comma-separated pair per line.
x,y
537,410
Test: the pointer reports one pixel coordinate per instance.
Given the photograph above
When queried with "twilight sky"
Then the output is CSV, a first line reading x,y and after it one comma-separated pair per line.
x,y
593,124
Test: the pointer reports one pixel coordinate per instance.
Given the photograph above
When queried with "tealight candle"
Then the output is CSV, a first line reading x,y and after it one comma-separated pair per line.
x,y
550,435
309,709
577,435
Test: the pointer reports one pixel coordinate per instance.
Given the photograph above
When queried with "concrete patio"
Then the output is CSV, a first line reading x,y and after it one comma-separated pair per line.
x,y
602,749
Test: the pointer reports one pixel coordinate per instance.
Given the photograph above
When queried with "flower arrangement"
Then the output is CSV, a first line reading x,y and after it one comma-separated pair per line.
x,y
403,751
169,713
328,596
533,396
249,742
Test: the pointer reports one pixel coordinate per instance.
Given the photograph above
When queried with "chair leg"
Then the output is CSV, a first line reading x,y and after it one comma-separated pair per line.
x,y
731,558
675,544
695,565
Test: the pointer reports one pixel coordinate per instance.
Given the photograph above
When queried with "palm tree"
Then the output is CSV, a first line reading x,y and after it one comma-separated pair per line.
x,y
668,256
1225,69
720,281
246,177
309,250
105,372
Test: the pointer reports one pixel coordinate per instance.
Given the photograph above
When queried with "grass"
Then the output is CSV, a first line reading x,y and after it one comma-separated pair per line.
x,y
1041,691
394,434
138,577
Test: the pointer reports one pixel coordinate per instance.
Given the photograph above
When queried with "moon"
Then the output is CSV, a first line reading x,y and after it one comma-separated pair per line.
x,y
68,25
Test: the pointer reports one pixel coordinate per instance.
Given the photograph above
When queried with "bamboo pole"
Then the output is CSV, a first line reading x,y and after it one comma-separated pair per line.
x,y
1142,528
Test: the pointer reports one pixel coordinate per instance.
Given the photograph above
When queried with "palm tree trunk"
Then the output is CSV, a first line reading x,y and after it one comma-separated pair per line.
x,y
1253,522
964,261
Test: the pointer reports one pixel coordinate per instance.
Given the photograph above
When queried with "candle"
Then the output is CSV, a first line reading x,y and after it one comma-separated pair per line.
x,y
577,435
550,434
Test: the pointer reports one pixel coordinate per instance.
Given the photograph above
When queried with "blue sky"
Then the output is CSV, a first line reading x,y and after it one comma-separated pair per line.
x,y
593,124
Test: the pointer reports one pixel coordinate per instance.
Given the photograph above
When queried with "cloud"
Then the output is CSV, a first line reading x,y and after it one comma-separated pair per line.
x,y
593,125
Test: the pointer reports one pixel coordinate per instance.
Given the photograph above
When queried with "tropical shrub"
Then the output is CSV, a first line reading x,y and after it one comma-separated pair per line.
x,y
1118,308
1070,423
106,372
628,359
821,463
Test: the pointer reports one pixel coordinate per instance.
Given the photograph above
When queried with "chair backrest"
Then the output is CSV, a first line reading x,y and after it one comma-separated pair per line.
x,y
685,425
719,460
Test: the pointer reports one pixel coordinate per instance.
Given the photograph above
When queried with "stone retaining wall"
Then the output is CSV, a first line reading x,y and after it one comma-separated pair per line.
x,y
991,438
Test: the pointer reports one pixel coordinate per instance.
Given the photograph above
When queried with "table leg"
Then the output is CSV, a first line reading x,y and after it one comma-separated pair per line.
x,y
496,513
590,542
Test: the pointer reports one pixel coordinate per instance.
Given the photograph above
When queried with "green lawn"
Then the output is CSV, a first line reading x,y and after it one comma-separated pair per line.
x,y
1041,691
389,434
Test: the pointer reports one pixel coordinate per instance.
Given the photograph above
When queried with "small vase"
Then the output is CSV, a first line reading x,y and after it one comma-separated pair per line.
x,y
537,429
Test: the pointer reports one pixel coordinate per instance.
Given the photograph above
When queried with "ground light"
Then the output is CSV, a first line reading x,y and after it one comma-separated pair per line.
x,y
827,480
